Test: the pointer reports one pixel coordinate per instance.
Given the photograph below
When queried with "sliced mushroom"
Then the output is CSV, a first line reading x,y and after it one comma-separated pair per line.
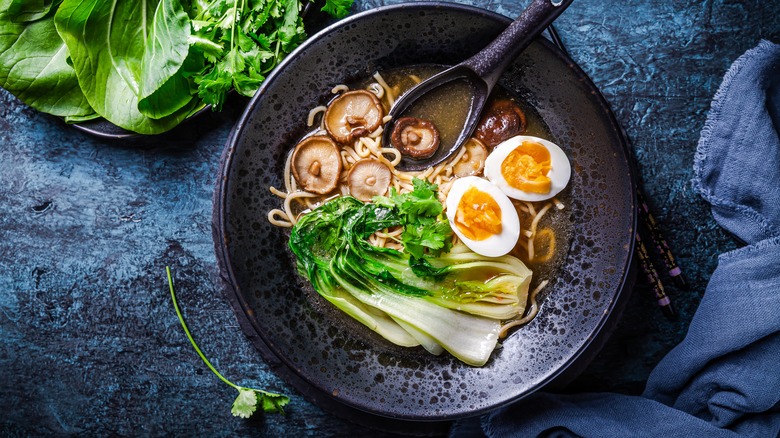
x,y
501,120
368,178
352,115
316,164
416,138
473,160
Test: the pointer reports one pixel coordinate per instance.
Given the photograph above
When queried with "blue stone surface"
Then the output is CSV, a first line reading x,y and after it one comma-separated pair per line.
x,y
90,343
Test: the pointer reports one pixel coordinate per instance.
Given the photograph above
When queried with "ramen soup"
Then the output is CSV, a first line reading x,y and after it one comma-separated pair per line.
x,y
450,258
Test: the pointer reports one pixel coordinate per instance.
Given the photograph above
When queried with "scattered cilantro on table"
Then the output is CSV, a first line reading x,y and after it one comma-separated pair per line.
x,y
249,399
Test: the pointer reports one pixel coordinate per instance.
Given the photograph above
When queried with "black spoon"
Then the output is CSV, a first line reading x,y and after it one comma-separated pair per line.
x,y
480,72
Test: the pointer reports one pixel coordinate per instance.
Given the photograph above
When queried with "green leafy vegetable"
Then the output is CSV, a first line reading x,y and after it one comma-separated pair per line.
x,y
147,65
107,45
443,301
33,61
164,87
249,399
21,11
337,8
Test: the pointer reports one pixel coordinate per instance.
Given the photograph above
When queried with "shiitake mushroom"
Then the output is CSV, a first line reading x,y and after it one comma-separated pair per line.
x,y
501,120
352,115
473,159
368,178
416,138
316,164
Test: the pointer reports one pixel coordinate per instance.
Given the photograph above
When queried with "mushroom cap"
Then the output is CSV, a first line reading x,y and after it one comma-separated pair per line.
x,y
473,160
368,178
416,138
316,164
501,120
352,115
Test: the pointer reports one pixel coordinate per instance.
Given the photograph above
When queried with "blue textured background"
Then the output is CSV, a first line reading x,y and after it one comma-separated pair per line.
x,y
89,342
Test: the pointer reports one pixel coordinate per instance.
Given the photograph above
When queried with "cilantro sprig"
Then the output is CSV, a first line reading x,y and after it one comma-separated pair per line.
x,y
425,230
241,41
249,399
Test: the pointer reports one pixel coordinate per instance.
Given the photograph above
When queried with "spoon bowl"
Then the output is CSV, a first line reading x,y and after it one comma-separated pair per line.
x,y
480,73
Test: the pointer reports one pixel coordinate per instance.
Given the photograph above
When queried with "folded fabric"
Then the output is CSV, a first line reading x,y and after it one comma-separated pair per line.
x,y
723,379
737,166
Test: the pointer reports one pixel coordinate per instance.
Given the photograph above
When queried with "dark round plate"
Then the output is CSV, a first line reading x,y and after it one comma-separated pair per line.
x,y
102,128
333,359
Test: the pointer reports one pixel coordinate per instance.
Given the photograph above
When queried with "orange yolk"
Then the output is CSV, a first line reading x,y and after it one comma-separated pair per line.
x,y
478,216
526,168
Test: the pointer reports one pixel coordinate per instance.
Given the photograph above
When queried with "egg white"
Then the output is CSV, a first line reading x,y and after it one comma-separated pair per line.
x,y
559,174
497,244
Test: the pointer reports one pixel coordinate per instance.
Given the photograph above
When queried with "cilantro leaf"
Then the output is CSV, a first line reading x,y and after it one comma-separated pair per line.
x,y
420,214
337,8
245,404
272,402
249,399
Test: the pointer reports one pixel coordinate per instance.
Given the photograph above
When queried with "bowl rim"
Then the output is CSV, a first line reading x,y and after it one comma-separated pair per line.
x,y
226,266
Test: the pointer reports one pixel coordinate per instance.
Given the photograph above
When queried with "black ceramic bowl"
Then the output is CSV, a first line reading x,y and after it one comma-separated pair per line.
x,y
336,361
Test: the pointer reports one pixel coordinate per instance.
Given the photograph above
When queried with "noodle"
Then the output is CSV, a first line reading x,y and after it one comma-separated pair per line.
x,y
339,88
533,310
538,217
362,149
530,207
313,113
277,192
534,223
289,183
288,208
285,222
378,132
388,90
377,89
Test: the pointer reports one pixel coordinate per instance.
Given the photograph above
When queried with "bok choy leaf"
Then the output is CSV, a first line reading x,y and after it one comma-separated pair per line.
x,y
107,45
33,61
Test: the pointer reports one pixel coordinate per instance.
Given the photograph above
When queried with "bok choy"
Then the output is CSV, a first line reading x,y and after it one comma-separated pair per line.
x,y
453,301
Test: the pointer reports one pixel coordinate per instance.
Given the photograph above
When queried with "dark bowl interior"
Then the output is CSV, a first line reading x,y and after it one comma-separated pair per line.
x,y
337,357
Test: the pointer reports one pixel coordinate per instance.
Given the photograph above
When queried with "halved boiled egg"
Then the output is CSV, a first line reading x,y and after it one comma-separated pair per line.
x,y
528,168
482,216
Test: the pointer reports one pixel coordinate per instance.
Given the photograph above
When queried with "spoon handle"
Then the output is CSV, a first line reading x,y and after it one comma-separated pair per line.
x,y
491,61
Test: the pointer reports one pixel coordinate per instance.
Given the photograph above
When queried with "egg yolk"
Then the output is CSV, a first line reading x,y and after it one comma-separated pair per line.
x,y
479,215
526,168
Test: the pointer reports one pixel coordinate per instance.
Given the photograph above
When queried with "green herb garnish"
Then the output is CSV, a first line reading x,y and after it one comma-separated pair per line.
x,y
420,214
249,399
